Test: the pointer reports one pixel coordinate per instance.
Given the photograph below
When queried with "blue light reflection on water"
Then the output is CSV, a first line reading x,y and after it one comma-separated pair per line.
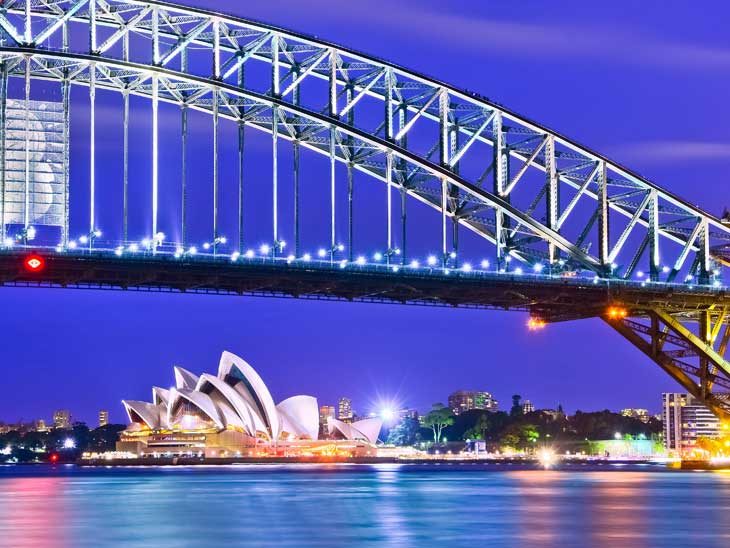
x,y
384,505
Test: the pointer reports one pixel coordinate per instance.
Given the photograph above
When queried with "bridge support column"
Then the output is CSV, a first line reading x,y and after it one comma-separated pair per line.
x,y
500,163
276,92
66,99
603,216
553,196
215,172
275,176
690,359
296,152
350,213
92,152
155,128
653,235
350,181
125,148
125,168
241,141
403,142
389,204
66,94
26,189
183,154
333,196
703,257
445,149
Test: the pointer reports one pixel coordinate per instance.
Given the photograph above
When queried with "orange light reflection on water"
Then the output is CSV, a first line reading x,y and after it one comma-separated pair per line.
x,y
33,512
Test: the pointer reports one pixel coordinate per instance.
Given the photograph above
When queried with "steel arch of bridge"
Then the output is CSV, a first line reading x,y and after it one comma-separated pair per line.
x,y
459,153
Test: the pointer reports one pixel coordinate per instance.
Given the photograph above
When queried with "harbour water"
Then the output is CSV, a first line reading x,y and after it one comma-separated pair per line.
x,y
362,505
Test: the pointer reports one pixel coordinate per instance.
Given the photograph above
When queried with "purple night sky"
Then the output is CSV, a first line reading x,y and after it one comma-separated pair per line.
x,y
645,83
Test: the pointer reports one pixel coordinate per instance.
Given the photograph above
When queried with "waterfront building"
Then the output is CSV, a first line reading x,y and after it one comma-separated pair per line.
x,y
233,414
552,414
636,413
466,400
25,427
344,410
62,419
103,417
684,419
527,407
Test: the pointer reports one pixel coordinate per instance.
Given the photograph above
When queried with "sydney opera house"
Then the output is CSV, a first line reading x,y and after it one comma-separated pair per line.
x,y
232,414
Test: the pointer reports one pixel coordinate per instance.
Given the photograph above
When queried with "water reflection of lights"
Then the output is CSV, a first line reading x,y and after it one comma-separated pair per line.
x,y
32,513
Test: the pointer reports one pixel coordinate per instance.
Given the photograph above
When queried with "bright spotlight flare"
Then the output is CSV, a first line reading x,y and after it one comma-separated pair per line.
x,y
387,414
547,458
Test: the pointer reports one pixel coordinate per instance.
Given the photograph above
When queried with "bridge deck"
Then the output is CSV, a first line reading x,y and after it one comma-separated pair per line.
x,y
549,297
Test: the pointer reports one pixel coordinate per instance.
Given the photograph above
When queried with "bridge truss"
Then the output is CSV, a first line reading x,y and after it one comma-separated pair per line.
x,y
553,227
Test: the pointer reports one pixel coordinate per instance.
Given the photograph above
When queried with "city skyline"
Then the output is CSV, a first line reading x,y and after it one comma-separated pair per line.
x,y
413,353
102,415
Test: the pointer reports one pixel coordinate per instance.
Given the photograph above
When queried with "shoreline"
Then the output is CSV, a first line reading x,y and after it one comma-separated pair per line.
x,y
199,461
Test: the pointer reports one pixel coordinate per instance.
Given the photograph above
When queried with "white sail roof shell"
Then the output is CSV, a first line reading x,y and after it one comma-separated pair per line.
x,y
160,396
300,416
184,379
248,416
369,428
149,413
228,415
366,430
200,400
262,400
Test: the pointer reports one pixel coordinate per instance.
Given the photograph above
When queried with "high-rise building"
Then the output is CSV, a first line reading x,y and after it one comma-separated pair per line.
x,y
103,417
636,413
466,400
407,413
344,410
326,412
62,419
684,419
527,407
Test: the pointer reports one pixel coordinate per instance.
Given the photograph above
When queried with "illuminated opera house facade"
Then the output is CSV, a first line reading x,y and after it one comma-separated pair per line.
x,y
232,414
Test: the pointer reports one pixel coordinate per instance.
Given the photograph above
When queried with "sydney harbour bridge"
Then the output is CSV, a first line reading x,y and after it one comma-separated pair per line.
x,y
152,146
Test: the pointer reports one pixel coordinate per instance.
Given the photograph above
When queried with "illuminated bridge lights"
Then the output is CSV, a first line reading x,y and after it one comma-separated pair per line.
x,y
429,264
616,312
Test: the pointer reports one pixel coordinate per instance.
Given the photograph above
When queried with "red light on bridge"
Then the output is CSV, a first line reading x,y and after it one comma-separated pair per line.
x,y
34,263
